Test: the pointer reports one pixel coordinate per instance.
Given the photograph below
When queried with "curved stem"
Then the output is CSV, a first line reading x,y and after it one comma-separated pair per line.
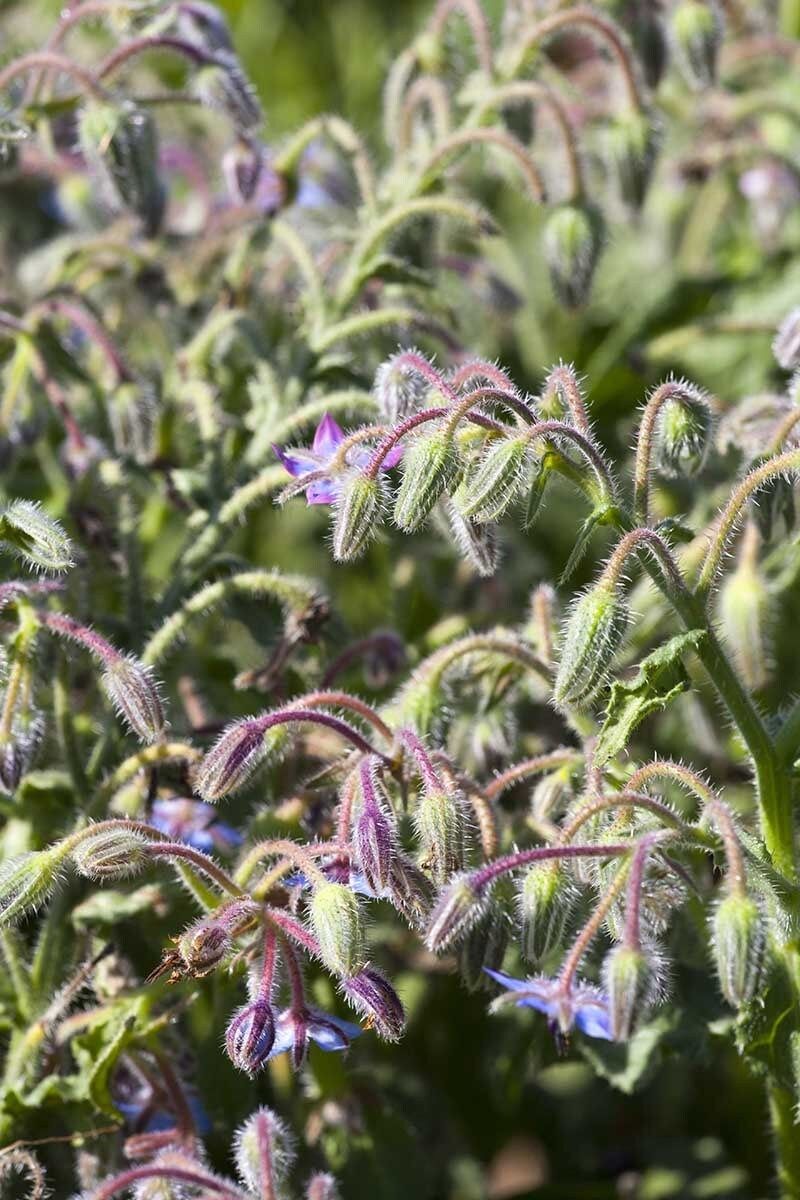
x,y
593,926
47,61
141,45
538,765
430,91
523,858
199,860
475,17
465,139
644,446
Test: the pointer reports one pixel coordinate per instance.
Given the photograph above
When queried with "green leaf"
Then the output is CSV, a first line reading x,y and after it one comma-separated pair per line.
x,y
764,1027
109,907
660,678
628,1065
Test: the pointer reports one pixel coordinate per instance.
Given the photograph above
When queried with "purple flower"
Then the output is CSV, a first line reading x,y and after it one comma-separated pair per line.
x,y
296,1027
327,440
195,823
581,1005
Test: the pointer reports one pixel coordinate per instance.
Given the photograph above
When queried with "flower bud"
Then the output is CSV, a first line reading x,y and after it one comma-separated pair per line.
x,y
497,481
132,416
371,994
441,827
250,1036
458,909
111,853
545,901
744,611
786,346
357,515
572,240
476,543
631,985
121,143
322,1187
26,881
37,539
375,835
630,146
18,752
242,167
430,468
131,688
696,28
264,1153
738,940
227,89
594,632
234,757
336,921
483,946
683,432
399,390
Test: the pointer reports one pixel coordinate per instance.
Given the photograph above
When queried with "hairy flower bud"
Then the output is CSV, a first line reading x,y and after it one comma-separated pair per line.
x,y
336,921
738,940
630,147
322,1187
631,984
476,543
696,27
235,756
110,853
131,688
375,835
546,898
19,750
250,1036
34,537
744,608
121,143
132,415
371,994
440,823
357,515
26,881
458,909
683,432
226,88
264,1153
572,240
786,346
593,633
399,390
497,481
430,468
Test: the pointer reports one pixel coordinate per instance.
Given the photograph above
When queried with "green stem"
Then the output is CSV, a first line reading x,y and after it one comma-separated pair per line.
x,y
787,1140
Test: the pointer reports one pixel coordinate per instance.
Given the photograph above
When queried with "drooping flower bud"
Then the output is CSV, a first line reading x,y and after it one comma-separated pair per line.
x,y
226,88
738,941
26,881
440,822
36,538
111,853
430,468
683,432
264,1154
375,835
19,750
371,994
250,1036
131,688
593,633
786,346
630,147
546,899
399,390
120,141
132,415
357,515
336,921
242,167
322,1187
478,544
572,240
235,756
631,984
458,909
497,481
696,28
744,608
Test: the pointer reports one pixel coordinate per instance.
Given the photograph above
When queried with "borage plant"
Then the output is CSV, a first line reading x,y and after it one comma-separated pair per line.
x,y
166,357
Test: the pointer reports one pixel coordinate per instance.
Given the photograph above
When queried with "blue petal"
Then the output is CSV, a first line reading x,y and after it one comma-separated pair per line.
x,y
323,491
328,437
297,462
284,1040
594,1020
508,981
